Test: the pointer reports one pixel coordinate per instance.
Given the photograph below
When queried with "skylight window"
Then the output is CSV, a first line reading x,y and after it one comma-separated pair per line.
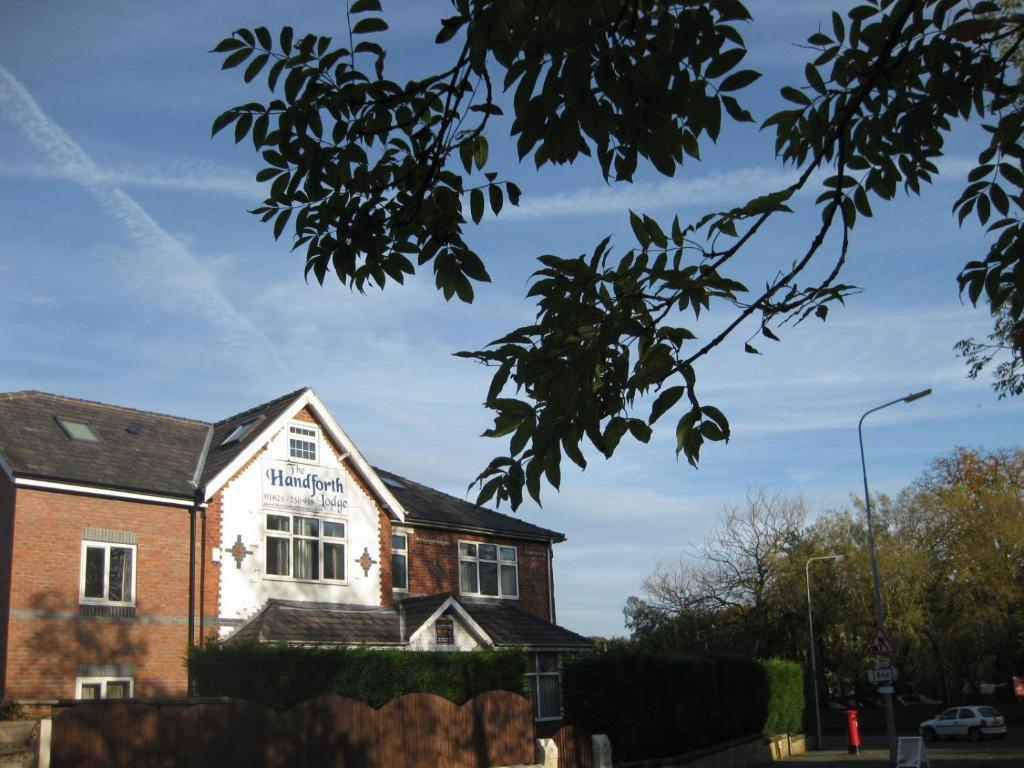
x,y
392,482
242,430
78,430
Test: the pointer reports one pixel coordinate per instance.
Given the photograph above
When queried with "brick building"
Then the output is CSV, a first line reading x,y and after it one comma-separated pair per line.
x,y
125,534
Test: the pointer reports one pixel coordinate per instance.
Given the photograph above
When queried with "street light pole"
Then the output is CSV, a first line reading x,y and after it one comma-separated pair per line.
x,y
890,715
810,628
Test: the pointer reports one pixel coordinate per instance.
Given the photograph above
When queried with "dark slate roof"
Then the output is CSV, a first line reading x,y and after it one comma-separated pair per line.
x,y
219,455
158,454
290,621
430,507
419,609
138,450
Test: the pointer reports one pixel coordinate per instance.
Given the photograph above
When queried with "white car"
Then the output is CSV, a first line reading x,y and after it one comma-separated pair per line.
x,y
975,721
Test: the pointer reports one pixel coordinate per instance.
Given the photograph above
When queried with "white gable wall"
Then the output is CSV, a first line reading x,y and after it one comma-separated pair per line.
x,y
250,496
425,639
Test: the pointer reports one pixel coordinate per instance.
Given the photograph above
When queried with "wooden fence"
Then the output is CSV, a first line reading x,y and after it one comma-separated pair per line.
x,y
574,747
419,729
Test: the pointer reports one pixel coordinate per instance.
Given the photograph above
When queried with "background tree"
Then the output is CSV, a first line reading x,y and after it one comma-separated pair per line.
x,y
726,597
951,557
375,175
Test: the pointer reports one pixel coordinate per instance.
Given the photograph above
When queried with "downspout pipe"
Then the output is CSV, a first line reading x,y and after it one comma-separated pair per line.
x,y
198,497
551,581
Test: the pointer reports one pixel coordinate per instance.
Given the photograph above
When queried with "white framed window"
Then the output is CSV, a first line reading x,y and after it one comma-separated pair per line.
x,y
305,548
400,560
108,573
303,442
544,681
491,570
104,687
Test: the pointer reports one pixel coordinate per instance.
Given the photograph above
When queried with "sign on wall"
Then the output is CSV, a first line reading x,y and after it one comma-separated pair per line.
x,y
303,488
445,631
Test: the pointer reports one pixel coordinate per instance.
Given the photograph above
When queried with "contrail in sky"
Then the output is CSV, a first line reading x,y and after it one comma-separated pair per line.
x,y
173,258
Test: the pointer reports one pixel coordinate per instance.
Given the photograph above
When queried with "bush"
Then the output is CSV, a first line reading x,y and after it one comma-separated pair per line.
x,y
282,676
787,703
654,705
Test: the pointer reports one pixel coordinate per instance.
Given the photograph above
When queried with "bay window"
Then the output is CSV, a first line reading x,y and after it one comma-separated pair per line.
x,y
491,570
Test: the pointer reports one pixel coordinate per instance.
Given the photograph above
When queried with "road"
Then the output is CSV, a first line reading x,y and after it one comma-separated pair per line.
x,y
997,753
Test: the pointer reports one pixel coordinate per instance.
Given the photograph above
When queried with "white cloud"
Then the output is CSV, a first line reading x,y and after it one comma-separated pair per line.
x,y
180,274
707,191
178,176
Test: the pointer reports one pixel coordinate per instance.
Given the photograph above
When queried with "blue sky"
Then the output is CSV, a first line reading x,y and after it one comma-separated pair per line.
x,y
131,273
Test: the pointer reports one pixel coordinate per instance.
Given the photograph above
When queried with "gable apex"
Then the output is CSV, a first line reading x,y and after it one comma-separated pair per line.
x,y
222,465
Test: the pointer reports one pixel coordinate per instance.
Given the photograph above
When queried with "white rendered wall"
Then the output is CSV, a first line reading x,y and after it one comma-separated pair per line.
x,y
246,588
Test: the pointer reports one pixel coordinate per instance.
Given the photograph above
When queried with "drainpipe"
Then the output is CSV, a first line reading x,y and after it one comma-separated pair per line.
x,y
551,582
202,576
199,496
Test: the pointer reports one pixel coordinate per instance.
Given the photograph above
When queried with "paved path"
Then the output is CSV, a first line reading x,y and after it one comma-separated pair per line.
x,y
1000,753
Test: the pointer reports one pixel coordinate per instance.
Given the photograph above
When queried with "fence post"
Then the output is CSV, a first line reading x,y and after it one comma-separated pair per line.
x,y
45,733
602,749
547,753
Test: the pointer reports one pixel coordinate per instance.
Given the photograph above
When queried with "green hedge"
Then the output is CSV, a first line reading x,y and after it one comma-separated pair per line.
x,y
282,676
663,705
787,703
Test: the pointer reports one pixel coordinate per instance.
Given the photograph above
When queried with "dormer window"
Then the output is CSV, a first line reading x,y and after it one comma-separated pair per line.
x,y
78,430
302,442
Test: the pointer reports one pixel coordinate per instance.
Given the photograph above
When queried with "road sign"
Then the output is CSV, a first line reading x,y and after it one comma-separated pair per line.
x,y
886,675
884,689
882,662
880,645
910,752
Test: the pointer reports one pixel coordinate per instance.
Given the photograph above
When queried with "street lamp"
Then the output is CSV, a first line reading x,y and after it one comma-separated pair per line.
x,y
890,715
810,627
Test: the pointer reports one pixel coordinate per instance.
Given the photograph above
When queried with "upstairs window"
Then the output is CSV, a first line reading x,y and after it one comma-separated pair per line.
x,y
400,561
108,573
305,548
491,570
302,442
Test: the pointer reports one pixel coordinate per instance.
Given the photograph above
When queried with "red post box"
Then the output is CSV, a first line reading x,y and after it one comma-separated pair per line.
x,y
853,731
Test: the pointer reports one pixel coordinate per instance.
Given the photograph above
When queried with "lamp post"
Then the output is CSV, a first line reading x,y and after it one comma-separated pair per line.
x,y
810,628
890,715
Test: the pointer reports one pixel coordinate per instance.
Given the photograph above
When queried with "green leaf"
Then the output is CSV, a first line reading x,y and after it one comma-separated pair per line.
x,y
640,431
368,26
639,230
228,44
738,80
223,120
496,199
476,205
236,58
664,401
364,6
282,220
480,152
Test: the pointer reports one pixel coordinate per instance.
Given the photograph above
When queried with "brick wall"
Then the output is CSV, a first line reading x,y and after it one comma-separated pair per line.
x,y
434,567
47,637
